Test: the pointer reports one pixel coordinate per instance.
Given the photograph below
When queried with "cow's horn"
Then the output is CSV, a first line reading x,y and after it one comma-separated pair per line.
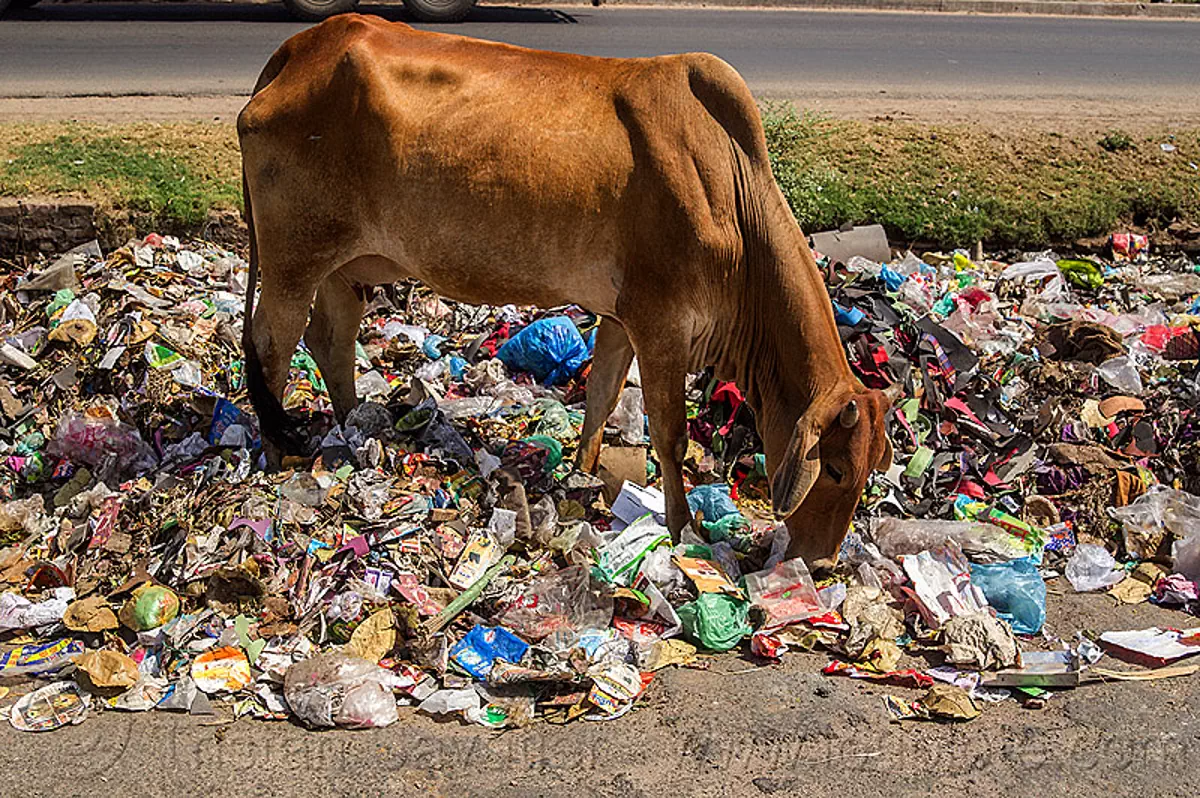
x,y
849,415
798,470
894,392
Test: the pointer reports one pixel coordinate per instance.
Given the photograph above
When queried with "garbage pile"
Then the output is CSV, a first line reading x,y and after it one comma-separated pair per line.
x,y
439,551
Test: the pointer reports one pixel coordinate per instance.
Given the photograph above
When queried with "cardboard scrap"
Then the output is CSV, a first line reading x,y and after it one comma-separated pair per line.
x,y
1152,647
942,702
1146,676
1039,669
106,668
708,576
374,637
92,614
670,652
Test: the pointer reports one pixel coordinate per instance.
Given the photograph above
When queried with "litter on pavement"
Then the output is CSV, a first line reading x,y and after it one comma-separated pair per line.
x,y
438,551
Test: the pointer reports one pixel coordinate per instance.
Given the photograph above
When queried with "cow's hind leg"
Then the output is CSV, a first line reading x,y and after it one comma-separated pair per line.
x,y
278,323
332,331
610,365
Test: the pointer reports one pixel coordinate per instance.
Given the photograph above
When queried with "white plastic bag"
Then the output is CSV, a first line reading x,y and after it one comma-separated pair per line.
x,y
338,690
629,416
1154,514
1092,568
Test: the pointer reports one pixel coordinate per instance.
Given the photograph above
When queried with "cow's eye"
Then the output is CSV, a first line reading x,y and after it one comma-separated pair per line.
x,y
833,473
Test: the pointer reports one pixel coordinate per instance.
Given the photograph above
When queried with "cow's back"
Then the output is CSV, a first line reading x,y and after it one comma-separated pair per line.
x,y
491,172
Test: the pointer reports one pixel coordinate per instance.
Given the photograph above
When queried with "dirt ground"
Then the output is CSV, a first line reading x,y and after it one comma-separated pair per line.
x,y
735,729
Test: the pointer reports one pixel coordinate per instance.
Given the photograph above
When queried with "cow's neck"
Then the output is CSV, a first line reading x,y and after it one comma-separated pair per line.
x,y
780,341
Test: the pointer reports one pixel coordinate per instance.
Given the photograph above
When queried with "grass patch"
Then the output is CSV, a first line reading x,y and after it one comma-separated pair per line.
x,y
945,186
167,176
952,186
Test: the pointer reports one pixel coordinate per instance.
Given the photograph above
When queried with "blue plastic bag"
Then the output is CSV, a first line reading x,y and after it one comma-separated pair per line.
x,y
847,316
551,349
712,500
1016,590
478,651
432,346
893,280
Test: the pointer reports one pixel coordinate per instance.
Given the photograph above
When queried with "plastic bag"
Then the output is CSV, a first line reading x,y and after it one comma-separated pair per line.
x,y
543,520
444,702
469,407
149,607
982,541
1122,374
479,649
659,569
551,349
1017,592
336,690
712,500
941,584
1092,568
27,514
555,421
562,600
786,593
371,384
618,561
715,621
18,612
92,441
630,416
1083,273
1154,514
1031,270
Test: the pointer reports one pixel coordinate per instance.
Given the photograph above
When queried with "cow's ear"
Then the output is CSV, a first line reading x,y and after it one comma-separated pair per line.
x,y
798,470
885,459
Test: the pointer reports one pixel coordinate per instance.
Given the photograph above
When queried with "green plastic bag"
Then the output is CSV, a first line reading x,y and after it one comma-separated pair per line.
x,y
715,621
149,607
555,421
1082,273
553,449
725,528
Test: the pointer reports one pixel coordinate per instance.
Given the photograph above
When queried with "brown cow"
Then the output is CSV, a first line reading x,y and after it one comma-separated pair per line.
x,y
636,188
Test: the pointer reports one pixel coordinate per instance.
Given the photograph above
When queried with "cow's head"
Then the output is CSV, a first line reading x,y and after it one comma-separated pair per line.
x,y
819,468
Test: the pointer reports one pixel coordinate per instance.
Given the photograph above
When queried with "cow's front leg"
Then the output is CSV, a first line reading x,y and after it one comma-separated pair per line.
x,y
663,379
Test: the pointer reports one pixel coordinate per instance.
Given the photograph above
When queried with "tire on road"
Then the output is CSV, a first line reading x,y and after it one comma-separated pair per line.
x,y
312,10
14,5
439,10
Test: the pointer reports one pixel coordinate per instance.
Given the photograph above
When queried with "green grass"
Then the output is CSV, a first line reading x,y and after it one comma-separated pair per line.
x,y
943,186
164,177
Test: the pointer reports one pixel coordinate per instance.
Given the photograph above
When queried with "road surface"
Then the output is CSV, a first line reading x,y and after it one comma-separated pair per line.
x,y
875,63
737,730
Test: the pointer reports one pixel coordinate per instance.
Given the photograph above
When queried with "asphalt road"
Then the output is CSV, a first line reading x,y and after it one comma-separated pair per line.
x,y
184,49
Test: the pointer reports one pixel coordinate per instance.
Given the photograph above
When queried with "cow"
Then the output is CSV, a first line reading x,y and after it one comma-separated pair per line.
x,y
637,188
